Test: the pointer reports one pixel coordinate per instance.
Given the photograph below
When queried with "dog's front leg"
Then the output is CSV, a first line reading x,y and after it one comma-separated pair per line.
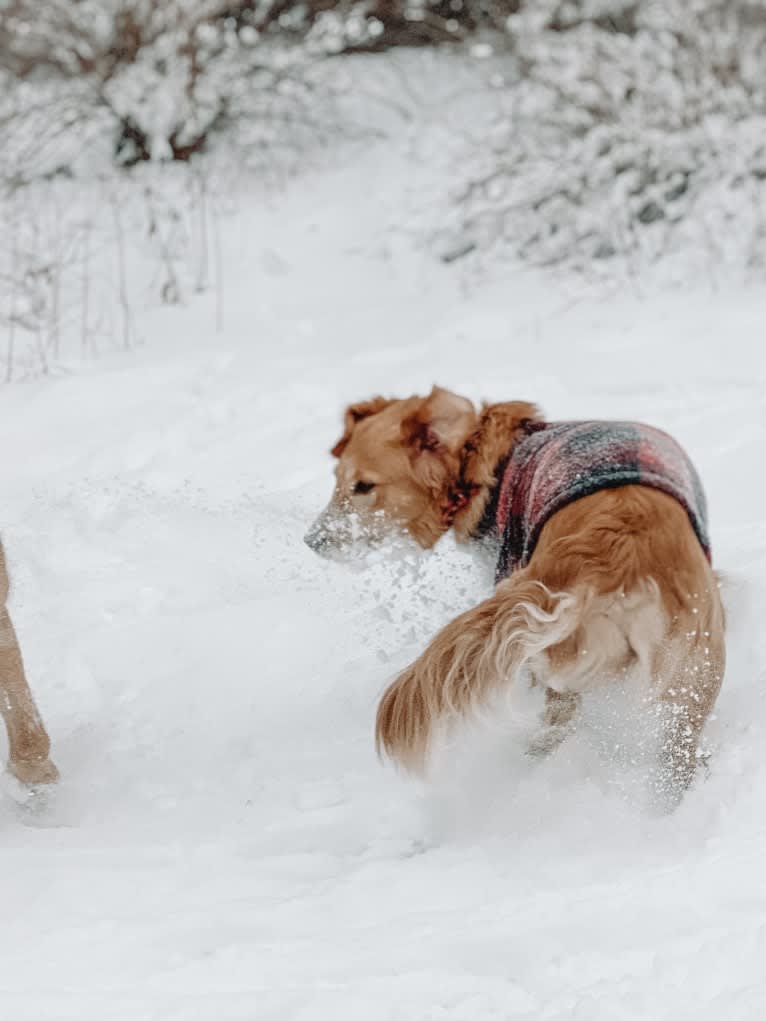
x,y
28,742
558,718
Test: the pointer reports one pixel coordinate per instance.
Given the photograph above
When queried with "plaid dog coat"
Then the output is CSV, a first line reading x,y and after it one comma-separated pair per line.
x,y
560,462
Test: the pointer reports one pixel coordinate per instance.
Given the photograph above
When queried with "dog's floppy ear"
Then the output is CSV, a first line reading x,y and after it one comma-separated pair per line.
x,y
354,414
435,433
442,422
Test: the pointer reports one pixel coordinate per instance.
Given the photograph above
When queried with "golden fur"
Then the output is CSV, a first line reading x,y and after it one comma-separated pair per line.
x,y
618,585
28,743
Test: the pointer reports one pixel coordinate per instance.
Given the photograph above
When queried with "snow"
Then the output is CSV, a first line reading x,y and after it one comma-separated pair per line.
x,y
225,844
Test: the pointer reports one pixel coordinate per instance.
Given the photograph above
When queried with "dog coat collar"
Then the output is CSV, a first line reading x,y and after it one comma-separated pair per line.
x,y
459,496
461,492
557,463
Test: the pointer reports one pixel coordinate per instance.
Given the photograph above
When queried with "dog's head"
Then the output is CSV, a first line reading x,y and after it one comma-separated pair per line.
x,y
396,461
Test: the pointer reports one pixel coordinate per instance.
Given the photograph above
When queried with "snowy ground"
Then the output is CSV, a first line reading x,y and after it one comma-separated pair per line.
x,y
225,844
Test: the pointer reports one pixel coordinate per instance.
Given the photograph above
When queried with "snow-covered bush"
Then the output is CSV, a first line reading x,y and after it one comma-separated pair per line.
x,y
631,128
135,80
372,26
610,129
139,80
89,87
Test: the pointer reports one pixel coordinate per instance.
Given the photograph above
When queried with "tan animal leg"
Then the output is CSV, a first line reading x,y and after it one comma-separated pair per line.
x,y
560,710
28,741
689,672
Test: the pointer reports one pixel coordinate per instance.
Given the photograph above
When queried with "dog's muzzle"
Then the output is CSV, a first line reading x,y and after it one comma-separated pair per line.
x,y
318,538
338,532
331,533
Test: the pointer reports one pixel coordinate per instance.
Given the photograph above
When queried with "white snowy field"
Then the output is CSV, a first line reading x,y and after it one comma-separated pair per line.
x,y
225,844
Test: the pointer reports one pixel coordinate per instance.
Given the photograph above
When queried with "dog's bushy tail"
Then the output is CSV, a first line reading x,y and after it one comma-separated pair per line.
x,y
476,654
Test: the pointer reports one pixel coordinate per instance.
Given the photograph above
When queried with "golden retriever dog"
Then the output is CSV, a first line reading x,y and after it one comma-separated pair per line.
x,y
28,743
603,576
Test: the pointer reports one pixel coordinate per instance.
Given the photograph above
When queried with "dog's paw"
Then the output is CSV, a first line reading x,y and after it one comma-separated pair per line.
x,y
34,772
33,801
668,786
546,741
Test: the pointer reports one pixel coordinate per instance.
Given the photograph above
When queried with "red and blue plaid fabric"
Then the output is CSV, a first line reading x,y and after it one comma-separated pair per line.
x,y
560,462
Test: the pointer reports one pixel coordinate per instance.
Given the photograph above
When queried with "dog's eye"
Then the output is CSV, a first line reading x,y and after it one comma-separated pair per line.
x,y
363,487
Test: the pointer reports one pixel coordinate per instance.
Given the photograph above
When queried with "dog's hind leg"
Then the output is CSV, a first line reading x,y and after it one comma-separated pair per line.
x,y
688,670
28,742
